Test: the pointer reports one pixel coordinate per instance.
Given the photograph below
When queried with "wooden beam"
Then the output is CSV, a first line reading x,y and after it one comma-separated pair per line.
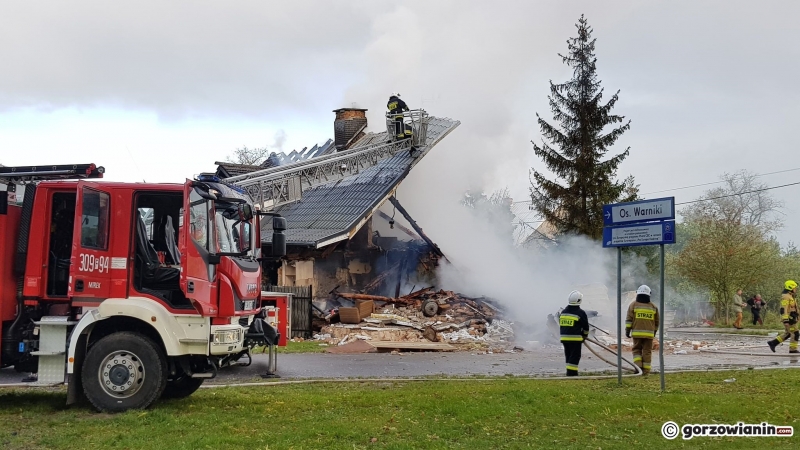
x,y
416,227
375,298
405,230
404,345
379,279
400,274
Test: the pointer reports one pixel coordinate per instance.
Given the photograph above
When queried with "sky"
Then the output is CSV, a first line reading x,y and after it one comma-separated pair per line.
x,y
159,91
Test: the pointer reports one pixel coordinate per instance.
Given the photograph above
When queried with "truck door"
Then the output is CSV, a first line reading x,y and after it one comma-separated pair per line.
x,y
91,262
196,240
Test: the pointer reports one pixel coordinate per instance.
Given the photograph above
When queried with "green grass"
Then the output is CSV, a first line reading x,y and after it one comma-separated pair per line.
x,y
475,414
297,347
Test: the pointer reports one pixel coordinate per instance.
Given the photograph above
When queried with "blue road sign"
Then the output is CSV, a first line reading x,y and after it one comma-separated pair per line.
x,y
654,233
639,211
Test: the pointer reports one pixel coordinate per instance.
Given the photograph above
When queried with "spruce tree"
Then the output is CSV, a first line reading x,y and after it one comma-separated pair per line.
x,y
575,150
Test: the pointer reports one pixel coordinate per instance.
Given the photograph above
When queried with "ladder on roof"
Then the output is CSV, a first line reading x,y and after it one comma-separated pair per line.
x,y
54,172
276,186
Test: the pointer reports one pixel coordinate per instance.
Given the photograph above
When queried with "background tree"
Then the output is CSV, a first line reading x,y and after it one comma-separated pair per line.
x,y
728,245
257,155
727,256
250,156
786,267
741,199
576,149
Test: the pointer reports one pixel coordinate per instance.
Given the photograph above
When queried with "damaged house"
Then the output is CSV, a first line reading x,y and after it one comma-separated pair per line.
x,y
339,201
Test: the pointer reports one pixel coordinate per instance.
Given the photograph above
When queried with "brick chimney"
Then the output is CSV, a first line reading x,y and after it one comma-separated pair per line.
x,y
349,123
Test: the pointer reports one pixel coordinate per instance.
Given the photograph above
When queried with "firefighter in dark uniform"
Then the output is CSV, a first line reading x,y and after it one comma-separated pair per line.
x,y
574,330
397,107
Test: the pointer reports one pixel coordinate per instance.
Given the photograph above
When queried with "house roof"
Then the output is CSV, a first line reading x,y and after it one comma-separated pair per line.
x,y
227,169
335,211
304,154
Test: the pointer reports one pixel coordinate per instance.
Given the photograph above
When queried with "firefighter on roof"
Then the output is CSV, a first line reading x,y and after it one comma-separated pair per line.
x,y
789,317
641,324
396,108
574,329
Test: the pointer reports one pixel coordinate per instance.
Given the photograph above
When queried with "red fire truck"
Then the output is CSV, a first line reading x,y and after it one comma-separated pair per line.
x,y
128,291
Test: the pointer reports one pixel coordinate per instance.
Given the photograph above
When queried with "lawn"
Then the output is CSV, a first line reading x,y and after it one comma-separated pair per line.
x,y
303,347
475,414
297,347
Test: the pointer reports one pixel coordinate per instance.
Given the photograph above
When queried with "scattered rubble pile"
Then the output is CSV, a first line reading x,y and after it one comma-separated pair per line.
x,y
685,346
424,316
610,341
681,346
695,324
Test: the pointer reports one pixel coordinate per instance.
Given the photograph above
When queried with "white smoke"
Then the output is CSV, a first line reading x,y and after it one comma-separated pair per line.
x,y
528,283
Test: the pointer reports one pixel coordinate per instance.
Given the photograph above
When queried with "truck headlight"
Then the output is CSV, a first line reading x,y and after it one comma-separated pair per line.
x,y
227,336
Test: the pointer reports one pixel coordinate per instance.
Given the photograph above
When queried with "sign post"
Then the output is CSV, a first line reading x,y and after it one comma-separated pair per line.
x,y
619,315
644,222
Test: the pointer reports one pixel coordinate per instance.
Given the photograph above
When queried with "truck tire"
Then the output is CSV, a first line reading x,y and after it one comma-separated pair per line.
x,y
182,386
124,371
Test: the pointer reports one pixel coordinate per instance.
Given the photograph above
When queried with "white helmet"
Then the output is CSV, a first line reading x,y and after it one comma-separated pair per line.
x,y
575,298
643,289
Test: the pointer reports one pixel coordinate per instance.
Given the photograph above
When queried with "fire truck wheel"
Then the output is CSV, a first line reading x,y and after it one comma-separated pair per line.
x,y
182,386
124,371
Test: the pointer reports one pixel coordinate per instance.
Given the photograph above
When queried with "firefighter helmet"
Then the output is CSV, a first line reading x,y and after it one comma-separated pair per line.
x,y
643,290
575,298
790,285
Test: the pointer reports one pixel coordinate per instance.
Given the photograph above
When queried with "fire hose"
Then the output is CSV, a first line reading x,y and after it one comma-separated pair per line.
x,y
636,369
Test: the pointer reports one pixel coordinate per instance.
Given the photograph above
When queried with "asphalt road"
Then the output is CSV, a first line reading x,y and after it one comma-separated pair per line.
x,y
540,362
546,361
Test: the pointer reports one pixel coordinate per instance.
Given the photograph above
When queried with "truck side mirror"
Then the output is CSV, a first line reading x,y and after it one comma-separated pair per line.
x,y
245,212
278,238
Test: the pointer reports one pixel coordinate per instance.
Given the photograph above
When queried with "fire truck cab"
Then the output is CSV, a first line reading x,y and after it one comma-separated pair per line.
x,y
128,291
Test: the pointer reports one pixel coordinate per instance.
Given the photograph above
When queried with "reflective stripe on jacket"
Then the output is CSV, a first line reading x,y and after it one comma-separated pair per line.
x,y
574,324
788,305
642,320
395,105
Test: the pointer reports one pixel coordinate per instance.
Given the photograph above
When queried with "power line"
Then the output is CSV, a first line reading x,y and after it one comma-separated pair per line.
x,y
712,198
701,184
718,182
738,193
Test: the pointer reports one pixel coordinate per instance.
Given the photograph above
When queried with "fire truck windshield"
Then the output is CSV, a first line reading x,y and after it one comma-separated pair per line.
x,y
233,229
